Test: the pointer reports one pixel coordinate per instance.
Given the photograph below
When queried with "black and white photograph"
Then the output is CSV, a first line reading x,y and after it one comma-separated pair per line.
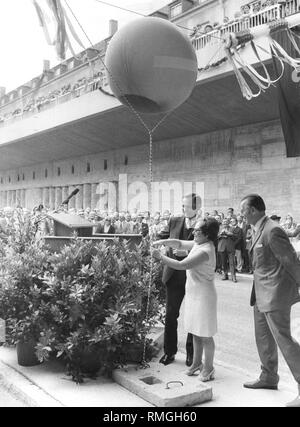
x,y
149,206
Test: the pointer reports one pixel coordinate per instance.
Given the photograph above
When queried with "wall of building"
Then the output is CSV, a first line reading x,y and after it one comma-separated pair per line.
x,y
228,164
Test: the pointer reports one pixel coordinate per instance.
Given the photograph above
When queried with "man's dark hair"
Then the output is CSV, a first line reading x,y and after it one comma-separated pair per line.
x,y
210,228
255,201
196,201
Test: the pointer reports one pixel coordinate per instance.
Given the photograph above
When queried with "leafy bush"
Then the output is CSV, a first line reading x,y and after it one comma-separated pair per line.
x,y
87,302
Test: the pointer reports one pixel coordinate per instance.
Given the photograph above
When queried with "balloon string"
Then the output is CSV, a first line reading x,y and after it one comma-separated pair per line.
x,y
150,132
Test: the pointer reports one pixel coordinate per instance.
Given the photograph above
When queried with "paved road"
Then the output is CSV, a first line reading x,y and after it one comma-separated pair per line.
x,y
235,342
8,401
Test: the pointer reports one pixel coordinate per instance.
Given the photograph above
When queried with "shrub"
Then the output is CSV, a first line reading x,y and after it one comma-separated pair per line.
x,y
86,302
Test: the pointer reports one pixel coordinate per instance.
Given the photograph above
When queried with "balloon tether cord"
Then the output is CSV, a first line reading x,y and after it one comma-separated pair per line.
x,y
143,364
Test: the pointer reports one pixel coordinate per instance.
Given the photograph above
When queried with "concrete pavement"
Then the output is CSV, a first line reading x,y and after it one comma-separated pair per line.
x,y
47,385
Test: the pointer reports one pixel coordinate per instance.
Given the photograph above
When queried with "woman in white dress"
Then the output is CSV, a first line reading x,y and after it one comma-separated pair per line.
x,y
200,295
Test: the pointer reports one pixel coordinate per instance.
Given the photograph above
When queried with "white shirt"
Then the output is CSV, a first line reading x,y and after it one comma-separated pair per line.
x,y
190,223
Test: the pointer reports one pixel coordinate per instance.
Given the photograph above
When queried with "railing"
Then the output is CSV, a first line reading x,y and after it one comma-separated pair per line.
x,y
264,16
47,103
205,42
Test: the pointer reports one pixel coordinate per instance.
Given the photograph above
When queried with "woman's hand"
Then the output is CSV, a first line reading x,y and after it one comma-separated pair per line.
x,y
170,243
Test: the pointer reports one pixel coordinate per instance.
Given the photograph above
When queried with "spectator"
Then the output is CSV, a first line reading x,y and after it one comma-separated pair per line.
x,y
226,248
238,233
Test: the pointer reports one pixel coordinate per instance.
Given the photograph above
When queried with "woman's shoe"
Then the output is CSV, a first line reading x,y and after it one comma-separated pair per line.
x,y
192,371
207,378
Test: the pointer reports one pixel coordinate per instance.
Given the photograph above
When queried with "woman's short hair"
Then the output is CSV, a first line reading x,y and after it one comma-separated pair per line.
x,y
210,228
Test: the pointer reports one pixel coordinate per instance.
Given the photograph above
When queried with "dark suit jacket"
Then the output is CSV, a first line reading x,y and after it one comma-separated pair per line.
x,y
100,230
226,243
173,232
276,269
238,233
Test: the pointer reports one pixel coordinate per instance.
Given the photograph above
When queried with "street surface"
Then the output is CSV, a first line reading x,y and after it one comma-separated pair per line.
x,y
235,342
8,401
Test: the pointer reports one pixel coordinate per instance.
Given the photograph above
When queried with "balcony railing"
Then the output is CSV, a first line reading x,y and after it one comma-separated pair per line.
x,y
206,42
264,16
46,102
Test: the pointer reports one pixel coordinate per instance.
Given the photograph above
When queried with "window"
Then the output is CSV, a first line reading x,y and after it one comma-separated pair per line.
x,y
23,177
33,175
1,180
46,173
9,179
105,165
73,169
126,161
176,10
18,178
58,171
88,167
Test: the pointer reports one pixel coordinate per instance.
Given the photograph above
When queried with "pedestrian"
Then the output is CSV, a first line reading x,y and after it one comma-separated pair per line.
x,y
275,291
178,228
226,249
238,233
200,317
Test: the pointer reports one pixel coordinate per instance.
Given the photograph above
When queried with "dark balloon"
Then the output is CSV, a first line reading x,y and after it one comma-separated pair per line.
x,y
151,64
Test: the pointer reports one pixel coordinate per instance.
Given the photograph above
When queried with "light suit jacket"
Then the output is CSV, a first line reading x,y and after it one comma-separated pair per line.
x,y
276,269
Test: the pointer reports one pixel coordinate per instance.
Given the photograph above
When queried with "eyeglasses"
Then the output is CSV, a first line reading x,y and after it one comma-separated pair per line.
x,y
197,230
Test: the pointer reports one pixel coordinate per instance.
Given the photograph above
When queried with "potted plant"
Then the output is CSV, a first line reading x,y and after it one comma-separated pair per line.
x,y
99,303
22,299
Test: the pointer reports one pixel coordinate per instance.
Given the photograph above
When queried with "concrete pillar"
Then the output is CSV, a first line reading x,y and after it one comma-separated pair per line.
x,y
94,196
52,198
18,198
87,196
9,198
14,198
79,197
23,198
58,196
46,196
2,199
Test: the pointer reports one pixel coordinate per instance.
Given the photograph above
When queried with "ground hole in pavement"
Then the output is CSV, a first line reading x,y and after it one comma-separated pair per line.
x,y
151,380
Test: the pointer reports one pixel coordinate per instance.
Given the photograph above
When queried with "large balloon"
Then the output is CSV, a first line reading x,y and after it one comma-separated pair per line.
x,y
152,64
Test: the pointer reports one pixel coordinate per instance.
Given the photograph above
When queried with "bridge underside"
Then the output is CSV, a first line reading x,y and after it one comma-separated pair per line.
x,y
214,105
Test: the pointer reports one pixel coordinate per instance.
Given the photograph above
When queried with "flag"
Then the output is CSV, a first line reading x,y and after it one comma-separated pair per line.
x,y
289,88
57,26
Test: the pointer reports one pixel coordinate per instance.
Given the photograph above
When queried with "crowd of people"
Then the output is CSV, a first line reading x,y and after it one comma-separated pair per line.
x,y
189,271
232,244
196,244
76,89
245,13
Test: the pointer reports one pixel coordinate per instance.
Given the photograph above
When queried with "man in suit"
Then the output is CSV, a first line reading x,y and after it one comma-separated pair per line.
x,y
226,249
275,290
178,228
238,233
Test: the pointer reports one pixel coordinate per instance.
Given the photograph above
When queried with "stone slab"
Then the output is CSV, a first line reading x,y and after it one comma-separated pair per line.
x,y
164,386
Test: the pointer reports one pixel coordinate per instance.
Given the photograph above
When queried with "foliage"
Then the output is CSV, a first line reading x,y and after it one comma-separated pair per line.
x,y
82,302
21,289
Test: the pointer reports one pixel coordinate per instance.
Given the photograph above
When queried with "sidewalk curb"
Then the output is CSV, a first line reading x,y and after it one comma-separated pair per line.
x,y
26,391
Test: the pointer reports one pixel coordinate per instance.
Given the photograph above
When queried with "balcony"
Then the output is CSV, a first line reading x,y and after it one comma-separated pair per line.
x,y
46,130
209,46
